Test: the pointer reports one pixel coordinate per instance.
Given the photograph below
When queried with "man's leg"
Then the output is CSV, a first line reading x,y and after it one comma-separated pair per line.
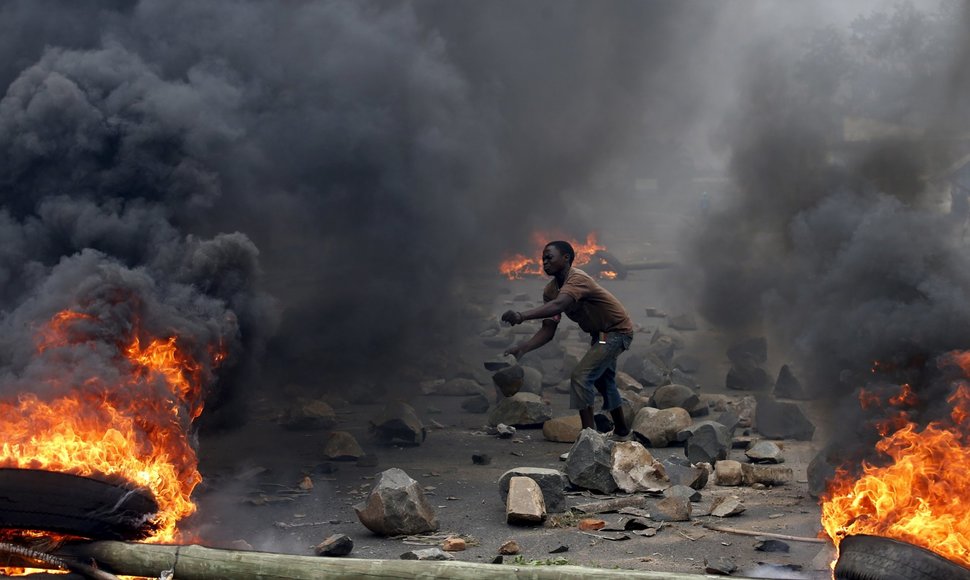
x,y
583,380
606,385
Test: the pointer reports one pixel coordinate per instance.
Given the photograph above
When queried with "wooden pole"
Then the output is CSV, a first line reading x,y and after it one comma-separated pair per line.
x,y
199,563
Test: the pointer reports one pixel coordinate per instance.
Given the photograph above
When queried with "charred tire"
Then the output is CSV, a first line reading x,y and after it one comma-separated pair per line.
x,y
70,504
876,558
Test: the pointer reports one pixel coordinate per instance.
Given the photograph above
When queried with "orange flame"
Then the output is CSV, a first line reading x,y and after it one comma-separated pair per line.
x,y
916,498
520,266
115,430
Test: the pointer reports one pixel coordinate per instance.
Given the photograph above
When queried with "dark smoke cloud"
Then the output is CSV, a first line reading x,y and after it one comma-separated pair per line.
x,y
372,152
845,252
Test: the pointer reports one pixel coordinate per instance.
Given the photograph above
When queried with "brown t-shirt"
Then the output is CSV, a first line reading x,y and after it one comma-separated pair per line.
x,y
594,309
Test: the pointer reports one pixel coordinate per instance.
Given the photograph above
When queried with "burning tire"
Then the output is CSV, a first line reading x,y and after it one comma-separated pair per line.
x,y
74,505
876,558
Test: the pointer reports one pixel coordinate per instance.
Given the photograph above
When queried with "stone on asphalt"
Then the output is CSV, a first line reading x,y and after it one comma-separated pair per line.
x,y
777,420
787,385
341,446
398,423
671,509
306,414
724,507
562,429
509,548
590,462
659,429
765,452
524,504
552,483
427,554
509,380
634,469
476,404
669,396
520,410
765,474
708,443
728,473
335,545
683,491
453,544
397,505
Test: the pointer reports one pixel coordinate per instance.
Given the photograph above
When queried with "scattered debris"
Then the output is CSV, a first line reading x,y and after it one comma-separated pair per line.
x,y
335,545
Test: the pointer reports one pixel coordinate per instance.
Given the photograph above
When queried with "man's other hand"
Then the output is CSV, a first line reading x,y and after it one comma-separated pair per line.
x,y
512,317
515,351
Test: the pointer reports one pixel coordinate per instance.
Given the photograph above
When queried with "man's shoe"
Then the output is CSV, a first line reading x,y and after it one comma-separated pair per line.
x,y
614,436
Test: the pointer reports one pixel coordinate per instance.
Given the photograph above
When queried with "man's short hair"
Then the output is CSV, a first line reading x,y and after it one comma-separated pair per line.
x,y
564,248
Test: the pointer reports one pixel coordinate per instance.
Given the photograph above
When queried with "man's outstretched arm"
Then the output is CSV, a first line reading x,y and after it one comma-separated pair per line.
x,y
555,306
540,338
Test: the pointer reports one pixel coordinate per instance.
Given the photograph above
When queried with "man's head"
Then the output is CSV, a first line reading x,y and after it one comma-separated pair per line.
x,y
557,256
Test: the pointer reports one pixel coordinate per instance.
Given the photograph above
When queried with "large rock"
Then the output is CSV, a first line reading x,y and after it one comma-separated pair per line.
x,y
476,404
397,506
625,382
398,423
524,504
520,410
341,446
747,376
531,381
660,428
308,414
787,385
562,429
681,472
509,380
635,469
590,462
765,452
782,420
688,363
648,369
709,442
552,483
669,396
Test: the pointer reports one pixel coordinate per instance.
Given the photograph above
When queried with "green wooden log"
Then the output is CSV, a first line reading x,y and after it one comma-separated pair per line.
x,y
199,563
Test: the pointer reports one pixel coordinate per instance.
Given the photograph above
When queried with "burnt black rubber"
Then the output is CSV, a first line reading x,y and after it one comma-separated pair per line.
x,y
49,501
876,558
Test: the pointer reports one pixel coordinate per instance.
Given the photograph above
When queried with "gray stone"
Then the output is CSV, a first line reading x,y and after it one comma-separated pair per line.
x,y
681,472
662,347
720,566
334,546
771,545
509,380
531,381
787,385
635,469
625,382
688,363
306,414
503,431
520,410
427,554
724,507
708,442
783,421
590,462
395,506
683,491
747,376
671,509
341,445
551,482
524,503
669,396
477,404
648,369
765,452
679,377
398,422
660,428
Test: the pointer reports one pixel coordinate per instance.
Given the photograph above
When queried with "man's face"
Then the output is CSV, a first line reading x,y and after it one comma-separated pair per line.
x,y
553,261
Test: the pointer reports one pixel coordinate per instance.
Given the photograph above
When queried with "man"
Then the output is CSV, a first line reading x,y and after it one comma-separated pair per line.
x,y
599,313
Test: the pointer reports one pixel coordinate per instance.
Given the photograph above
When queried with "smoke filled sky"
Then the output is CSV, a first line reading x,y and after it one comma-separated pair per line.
x,y
322,173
